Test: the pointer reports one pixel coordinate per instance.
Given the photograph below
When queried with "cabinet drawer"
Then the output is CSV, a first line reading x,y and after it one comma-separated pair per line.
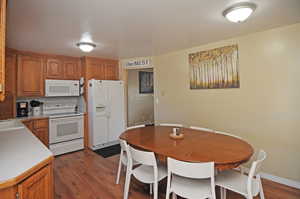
x,y
43,123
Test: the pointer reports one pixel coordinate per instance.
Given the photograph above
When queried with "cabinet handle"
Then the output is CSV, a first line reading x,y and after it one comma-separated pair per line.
x,y
17,196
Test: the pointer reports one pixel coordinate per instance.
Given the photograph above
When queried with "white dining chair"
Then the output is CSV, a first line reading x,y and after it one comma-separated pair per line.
x,y
201,129
135,127
247,185
123,159
170,124
149,172
245,166
228,134
190,180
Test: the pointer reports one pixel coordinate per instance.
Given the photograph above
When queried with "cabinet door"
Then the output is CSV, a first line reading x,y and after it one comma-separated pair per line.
x,y
72,70
7,107
2,48
54,69
29,124
10,73
37,186
96,71
111,71
30,79
43,135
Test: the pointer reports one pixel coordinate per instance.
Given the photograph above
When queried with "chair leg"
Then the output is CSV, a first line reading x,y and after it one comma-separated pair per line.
x,y
127,184
221,192
224,194
261,192
174,196
151,189
155,190
168,193
119,171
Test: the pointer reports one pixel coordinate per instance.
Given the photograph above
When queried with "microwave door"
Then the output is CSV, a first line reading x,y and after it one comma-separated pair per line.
x,y
62,88
58,90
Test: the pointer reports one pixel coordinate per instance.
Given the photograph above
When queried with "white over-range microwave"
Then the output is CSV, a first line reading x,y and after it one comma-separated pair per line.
x,y
62,87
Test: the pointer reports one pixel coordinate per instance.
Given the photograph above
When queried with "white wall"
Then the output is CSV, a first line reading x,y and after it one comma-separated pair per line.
x,y
265,110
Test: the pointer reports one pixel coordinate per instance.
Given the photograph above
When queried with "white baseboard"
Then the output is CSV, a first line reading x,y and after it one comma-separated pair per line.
x,y
280,180
285,181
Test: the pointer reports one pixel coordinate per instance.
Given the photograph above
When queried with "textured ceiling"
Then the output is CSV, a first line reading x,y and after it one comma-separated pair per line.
x,y
130,28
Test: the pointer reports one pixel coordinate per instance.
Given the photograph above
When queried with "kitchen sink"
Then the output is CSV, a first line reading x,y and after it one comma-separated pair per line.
x,y
13,124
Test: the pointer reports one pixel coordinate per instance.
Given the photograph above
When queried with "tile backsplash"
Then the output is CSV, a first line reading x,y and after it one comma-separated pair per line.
x,y
49,102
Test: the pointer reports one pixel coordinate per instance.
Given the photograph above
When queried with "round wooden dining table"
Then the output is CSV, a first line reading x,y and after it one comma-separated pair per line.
x,y
225,151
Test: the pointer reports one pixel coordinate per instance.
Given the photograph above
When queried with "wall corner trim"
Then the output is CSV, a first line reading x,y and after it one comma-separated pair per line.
x,y
280,180
285,181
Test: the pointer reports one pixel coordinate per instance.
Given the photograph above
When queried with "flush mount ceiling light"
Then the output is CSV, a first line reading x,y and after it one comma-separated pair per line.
x,y
86,46
239,12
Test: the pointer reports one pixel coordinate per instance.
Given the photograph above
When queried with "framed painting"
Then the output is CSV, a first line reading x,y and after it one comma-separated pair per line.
x,y
216,68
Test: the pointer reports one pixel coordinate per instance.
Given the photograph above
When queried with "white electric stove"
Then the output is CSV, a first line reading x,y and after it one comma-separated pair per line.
x,y
66,128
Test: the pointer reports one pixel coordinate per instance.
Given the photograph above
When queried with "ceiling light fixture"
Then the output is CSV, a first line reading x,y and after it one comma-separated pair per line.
x,y
86,46
239,12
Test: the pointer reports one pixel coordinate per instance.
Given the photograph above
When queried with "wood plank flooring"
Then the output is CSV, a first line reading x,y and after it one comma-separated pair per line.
x,y
86,175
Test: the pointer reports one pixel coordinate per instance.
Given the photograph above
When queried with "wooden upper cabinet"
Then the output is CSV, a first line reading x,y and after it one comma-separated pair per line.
x,y
37,186
8,106
54,69
2,48
102,69
111,71
30,76
62,67
10,72
72,69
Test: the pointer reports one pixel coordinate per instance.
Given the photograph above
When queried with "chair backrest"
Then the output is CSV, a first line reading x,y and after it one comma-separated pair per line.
x,y
201,129
123,145
135,127
256,165
191,170
169,124
228,134
143,157
255,169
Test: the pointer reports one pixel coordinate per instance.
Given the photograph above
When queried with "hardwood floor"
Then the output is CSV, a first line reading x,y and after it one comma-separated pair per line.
x,y
86,175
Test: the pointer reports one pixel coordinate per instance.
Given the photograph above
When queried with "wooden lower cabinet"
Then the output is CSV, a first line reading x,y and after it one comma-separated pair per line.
x,y
39,185
9,193
43,135
40,128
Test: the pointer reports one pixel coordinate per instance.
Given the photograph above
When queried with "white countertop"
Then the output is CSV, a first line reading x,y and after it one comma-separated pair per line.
x,y
20,150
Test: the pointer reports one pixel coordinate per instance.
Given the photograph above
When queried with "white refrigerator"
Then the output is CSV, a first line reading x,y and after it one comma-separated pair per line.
x,y
106,108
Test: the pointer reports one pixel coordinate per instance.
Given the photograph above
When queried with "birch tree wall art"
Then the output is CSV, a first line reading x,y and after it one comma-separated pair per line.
x,y
216,68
